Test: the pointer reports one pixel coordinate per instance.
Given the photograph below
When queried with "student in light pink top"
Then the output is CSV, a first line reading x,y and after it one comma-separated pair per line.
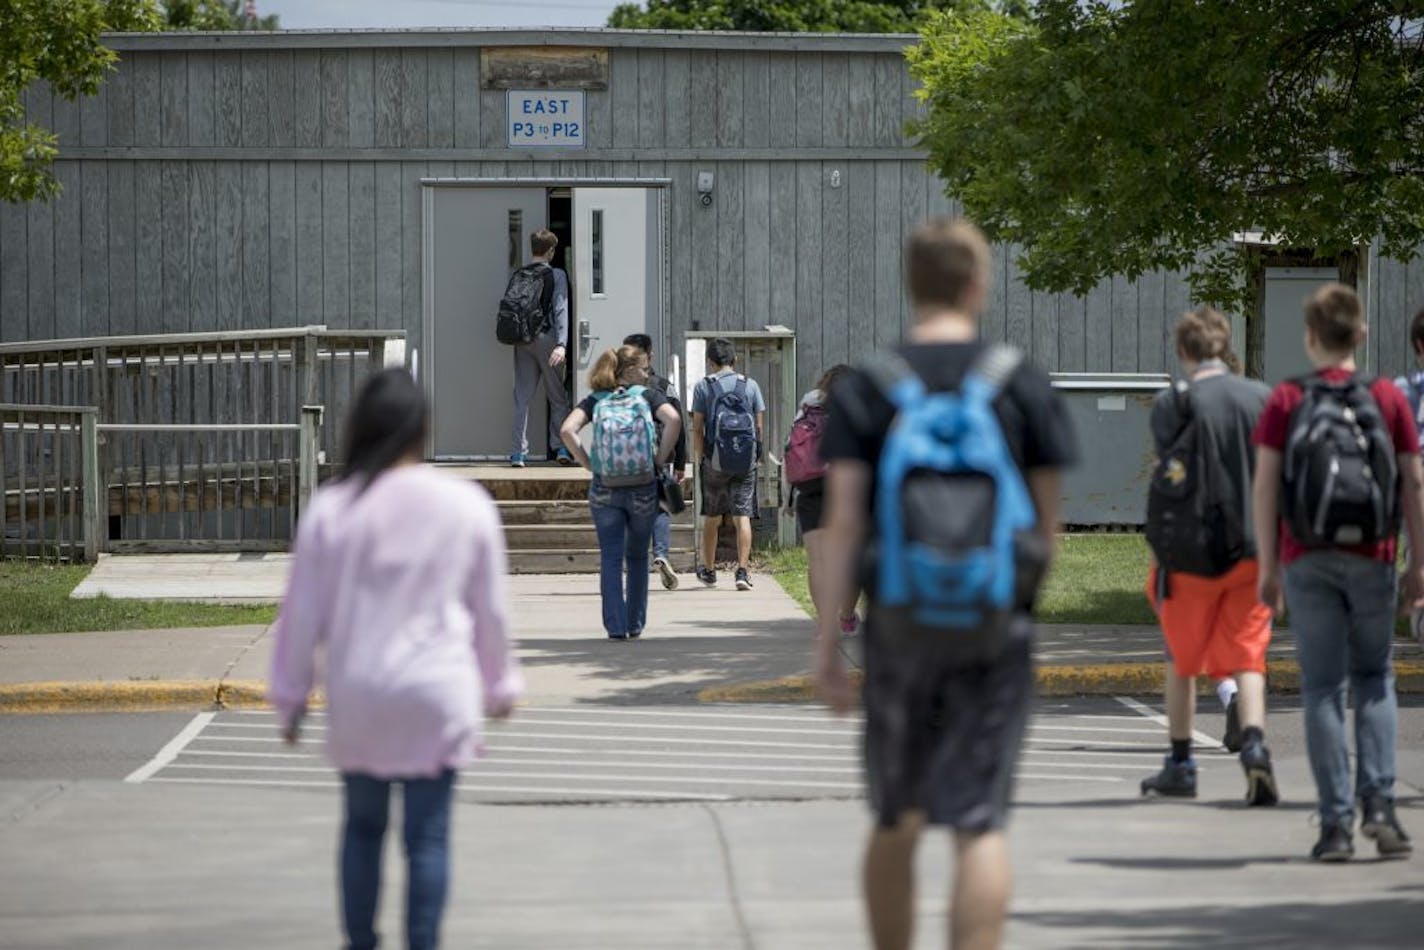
x,y
398,583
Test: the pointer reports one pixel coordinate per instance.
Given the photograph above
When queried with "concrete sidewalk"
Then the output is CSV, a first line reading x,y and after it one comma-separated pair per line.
x,y
713,644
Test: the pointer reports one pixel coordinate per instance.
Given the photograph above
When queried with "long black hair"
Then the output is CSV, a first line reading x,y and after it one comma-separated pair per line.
x,y
388,422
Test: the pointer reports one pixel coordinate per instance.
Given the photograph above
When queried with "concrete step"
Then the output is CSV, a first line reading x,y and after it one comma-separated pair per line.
x,y
565,512
556,537
580,561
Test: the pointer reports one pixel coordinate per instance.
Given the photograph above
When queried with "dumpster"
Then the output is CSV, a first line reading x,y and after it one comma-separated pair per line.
x,y
1110,413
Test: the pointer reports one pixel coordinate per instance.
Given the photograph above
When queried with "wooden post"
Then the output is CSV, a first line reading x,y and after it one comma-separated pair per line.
x,y
96,515
309,456
786,519
309,365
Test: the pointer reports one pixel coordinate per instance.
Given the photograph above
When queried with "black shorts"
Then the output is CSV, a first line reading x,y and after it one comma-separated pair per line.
x,y
941,736
810,505
728,494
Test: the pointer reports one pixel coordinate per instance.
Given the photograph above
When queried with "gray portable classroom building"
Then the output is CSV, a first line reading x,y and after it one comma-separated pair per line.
x,y
243,180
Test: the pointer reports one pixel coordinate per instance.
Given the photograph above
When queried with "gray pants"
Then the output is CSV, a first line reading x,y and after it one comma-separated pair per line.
x,y
531,364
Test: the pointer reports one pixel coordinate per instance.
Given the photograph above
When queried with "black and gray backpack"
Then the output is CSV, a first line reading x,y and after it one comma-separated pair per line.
x,y
1339,477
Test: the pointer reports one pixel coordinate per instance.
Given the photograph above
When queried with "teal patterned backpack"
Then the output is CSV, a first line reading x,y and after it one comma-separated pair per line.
x,y
624,438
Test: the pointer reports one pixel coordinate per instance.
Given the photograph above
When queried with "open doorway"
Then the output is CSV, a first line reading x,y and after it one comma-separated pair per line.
x,y
476,233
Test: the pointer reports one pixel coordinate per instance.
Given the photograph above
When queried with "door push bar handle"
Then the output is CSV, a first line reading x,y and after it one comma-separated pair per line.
x,y
585,338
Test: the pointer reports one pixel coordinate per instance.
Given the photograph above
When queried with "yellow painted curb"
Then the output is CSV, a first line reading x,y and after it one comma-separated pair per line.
x,y
1102,679
132,696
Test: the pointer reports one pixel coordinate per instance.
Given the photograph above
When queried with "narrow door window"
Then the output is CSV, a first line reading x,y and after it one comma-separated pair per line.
x,y
596,242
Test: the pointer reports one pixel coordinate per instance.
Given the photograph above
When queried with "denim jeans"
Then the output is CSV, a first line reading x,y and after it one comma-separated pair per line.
x,y
427,836
623,518
1342,615
662,534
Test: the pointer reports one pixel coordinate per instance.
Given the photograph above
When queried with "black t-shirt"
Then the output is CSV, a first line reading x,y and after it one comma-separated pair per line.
x,y
656,401
1034,418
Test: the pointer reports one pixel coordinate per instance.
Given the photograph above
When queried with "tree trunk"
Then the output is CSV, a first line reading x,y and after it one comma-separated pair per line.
x,y
1256,318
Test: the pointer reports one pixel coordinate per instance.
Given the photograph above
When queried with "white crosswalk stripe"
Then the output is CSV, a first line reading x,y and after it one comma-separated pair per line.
x,y
689,753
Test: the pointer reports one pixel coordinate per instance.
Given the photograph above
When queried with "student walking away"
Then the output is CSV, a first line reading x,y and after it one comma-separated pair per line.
x,y
1412,385
626,454
412,632
806,473
728,419
1203,581
662,525
534,319
1337,467
944,463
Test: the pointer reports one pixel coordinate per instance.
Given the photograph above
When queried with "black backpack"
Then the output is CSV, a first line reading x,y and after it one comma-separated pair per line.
x,y
1339,477
1194,519
526,306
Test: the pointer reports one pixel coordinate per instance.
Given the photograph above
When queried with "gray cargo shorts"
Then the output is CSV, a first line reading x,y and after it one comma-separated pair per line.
x,y
724,494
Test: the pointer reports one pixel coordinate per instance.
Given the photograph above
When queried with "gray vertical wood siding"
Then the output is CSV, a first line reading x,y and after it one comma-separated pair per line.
x,y
276,180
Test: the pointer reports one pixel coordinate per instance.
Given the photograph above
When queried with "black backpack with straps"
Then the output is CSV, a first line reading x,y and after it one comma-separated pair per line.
x,y
527,305
1339,475
1194,519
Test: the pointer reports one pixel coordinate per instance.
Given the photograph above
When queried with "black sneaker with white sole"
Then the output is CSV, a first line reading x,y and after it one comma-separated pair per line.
x,y
707,576
744,581
1176,780
1379,823
1232,739
1335,845
1260,779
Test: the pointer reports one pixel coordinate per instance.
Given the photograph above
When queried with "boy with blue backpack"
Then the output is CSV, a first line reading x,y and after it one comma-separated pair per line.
x,y
942,497
728,418
1337,470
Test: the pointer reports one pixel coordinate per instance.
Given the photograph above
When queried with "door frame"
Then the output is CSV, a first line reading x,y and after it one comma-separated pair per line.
x,y
428,187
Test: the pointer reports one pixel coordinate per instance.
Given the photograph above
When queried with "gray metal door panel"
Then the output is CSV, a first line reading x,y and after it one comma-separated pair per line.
x,y
1286,291
477,236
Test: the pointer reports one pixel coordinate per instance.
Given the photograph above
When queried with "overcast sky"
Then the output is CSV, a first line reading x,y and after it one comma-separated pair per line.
x,y
366,14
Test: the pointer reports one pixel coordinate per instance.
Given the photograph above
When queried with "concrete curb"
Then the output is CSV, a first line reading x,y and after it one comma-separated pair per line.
x,y
1102,679
130,696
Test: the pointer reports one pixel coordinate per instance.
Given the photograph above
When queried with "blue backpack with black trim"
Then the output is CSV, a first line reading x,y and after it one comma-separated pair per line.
x,y
952,508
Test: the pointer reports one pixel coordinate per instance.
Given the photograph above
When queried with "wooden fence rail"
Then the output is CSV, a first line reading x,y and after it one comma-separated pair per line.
x,y
175,487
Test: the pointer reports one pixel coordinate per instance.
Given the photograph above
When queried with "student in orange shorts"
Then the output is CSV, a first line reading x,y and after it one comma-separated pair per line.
x,y
1203,581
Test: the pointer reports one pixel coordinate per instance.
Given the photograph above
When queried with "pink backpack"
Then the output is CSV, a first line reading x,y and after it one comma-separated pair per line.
x,y
803,447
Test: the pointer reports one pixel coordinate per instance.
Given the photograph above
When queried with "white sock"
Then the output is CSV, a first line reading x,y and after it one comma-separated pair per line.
x,y
1225,690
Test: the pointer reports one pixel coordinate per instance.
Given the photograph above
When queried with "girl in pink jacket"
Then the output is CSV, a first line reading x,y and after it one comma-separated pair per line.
x,y
398,584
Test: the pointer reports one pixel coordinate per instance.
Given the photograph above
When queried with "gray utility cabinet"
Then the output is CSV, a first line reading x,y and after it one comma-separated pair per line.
x,y
1110,413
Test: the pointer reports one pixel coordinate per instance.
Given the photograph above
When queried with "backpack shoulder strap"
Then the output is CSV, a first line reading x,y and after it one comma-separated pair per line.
x,y
996,364
895,378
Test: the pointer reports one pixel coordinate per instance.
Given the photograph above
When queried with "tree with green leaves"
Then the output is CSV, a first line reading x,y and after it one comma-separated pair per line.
x,y
794,16
1119,138
58,43
213,15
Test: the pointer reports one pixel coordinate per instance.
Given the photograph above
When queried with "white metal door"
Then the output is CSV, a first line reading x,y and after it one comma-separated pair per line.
x,y
617,271
474,238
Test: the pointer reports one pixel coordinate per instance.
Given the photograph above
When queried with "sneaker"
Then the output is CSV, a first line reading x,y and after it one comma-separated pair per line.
x,y
516,460
1260,779
564,457
634,634
707,576
1232,740
618,636
744,581
665,571
1176,780
1334,845
1379,823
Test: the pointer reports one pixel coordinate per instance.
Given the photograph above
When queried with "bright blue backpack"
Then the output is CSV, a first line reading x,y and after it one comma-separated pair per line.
x,y
952,507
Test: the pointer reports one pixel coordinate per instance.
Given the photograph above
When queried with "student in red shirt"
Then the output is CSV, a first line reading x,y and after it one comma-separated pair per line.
x,y
1338,569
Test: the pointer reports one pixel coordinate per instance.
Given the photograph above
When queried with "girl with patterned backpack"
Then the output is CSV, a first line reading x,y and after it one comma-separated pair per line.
x,y
625,456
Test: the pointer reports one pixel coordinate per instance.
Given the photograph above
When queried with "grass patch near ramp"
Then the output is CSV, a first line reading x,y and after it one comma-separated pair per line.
x,y
34,598
1096,578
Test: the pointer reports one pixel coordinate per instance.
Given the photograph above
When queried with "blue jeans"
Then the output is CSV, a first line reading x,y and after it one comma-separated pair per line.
x,y
1342,615
427,837
623,518
662,534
